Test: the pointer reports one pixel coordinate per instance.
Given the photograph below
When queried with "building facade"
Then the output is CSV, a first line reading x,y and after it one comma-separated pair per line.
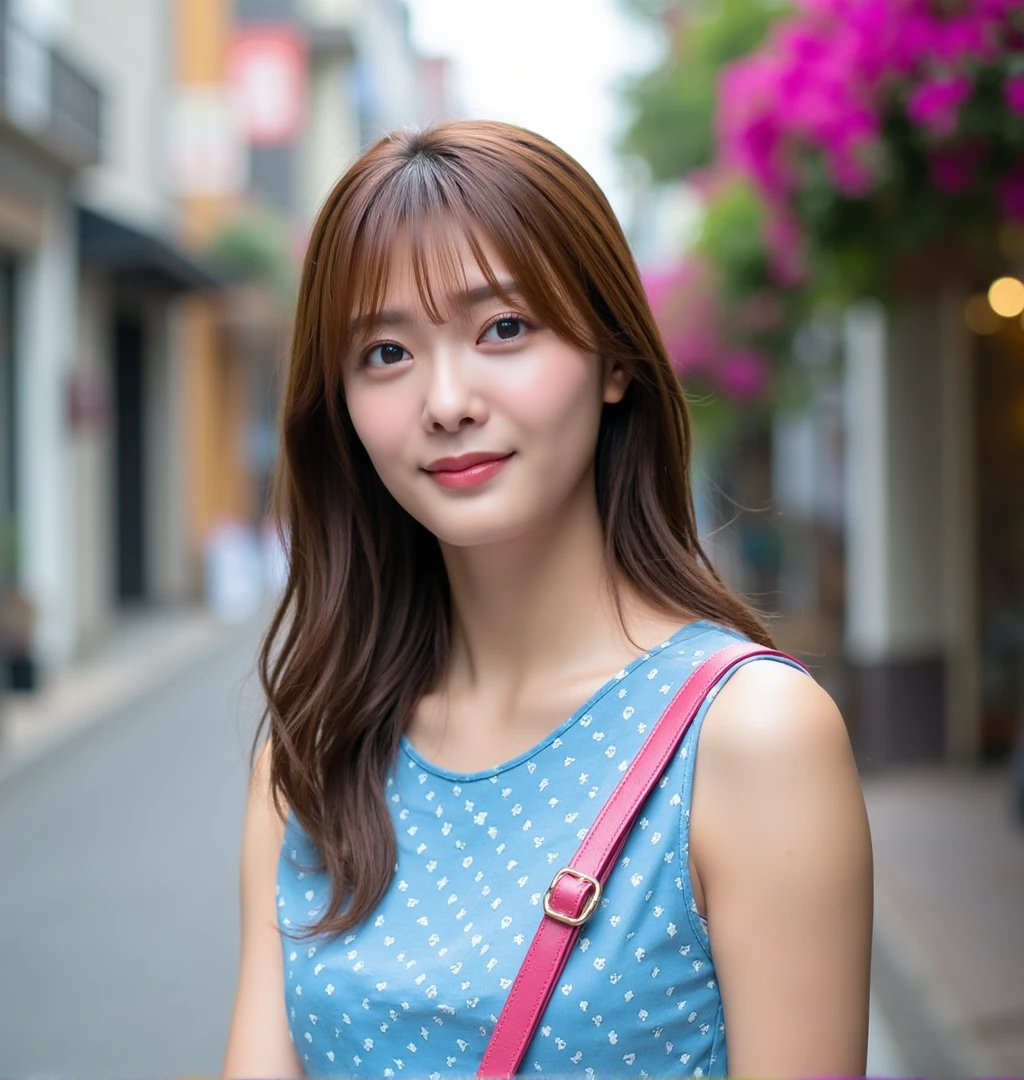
x,y
50,130
935,528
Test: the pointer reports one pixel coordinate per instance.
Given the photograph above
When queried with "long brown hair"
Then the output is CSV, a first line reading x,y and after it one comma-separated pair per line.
x,y
363,627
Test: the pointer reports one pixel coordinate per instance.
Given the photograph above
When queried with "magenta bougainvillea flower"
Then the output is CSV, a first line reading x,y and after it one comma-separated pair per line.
x,y
935,104
822,85
955,170
817,118
686,303
1011,194
684,300
786,245
743,374
1014,93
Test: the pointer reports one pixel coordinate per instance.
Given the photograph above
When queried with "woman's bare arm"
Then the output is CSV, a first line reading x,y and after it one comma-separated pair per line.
x,y
780,842
259,1043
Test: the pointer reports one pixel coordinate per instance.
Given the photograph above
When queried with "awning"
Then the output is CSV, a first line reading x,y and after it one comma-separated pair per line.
x,y
126,251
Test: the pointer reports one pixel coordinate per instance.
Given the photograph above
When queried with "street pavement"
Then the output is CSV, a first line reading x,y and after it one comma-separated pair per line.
x,y
949,918
144,649
119,842
118,904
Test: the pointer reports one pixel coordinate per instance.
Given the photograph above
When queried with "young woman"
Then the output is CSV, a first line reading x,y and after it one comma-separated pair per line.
x,y
495,588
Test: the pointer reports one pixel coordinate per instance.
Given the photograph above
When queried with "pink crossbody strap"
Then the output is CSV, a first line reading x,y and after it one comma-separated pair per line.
x,y
575,890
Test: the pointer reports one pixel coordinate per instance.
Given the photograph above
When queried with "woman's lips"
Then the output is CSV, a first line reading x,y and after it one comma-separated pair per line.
x,y
470,476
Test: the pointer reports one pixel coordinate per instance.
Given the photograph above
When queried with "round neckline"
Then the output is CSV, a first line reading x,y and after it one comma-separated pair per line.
x,y
486,774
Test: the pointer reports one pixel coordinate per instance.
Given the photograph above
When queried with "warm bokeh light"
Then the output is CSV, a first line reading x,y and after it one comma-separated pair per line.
x,y
979,316
1006,295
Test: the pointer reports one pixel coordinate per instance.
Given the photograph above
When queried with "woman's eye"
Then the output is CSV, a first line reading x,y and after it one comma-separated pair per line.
x,y
507,328
389,354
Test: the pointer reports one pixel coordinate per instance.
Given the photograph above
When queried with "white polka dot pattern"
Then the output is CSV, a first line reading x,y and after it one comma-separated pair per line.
x,y
417,987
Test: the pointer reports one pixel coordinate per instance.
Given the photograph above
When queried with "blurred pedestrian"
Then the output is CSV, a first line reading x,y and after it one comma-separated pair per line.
x,y
495,588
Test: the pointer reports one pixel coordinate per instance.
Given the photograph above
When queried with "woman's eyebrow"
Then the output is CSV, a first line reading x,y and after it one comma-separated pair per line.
x,y
458,301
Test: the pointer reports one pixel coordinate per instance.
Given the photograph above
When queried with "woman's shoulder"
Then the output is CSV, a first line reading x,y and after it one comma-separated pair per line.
x,y
761,707
767,721
761,700
775,758
769,709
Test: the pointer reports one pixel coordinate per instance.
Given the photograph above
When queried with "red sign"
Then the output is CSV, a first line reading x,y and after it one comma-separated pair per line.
x,y
267,73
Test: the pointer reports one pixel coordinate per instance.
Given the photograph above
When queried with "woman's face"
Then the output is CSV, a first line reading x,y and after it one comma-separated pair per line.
x,y
490,382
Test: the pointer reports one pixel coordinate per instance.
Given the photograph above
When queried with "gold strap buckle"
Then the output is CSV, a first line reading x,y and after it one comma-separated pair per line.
x,y
588,907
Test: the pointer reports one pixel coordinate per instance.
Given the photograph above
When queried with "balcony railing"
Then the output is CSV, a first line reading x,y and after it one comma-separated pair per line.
x,y
46,97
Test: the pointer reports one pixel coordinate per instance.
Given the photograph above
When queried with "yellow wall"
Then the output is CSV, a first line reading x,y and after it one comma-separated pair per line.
x,y
218,402
217,408
203,28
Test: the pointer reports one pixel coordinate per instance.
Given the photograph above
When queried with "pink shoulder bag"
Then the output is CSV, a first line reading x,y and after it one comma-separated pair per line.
x,y
575,890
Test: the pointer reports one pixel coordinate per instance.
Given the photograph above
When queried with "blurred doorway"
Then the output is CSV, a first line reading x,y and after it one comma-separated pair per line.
x,y
130,457
999,396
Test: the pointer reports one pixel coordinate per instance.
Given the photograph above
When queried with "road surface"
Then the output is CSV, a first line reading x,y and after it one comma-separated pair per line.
x,y
119,889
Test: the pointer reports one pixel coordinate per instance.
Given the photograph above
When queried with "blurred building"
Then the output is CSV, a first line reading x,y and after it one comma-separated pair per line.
x,y
127,413
160,164
899,499
50,108
93,498
935,525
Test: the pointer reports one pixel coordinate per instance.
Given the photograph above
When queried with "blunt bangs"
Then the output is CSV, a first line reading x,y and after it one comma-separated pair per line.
x,y
429,205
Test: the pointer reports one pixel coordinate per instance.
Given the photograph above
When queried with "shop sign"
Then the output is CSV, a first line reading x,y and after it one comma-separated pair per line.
x,y
267,75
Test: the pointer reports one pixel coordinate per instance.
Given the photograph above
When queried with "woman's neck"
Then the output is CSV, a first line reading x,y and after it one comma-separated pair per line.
x,y
535,609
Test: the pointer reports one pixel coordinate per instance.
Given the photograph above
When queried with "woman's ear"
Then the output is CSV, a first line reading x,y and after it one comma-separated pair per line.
x,y
616,379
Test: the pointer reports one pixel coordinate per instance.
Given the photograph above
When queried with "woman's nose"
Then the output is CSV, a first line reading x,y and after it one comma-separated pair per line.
x,y
451,399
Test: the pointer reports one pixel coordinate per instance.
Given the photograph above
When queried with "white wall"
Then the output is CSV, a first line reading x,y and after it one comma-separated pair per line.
x,y
46,328
332,12
391,65
332,140
390,74
911,519
129,47
126,45
898,409
867,484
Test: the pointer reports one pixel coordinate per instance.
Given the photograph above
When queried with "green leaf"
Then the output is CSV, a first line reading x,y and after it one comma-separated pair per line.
x,y
672,108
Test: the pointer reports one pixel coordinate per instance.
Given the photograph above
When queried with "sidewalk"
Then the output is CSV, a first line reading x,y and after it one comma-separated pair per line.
x,y
949,919
144,650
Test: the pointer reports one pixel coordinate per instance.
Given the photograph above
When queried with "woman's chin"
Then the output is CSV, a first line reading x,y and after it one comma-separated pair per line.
x,y
483,531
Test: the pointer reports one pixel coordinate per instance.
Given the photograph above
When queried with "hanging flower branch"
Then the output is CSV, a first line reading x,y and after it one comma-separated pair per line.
x,y
725,322
865,145
875,128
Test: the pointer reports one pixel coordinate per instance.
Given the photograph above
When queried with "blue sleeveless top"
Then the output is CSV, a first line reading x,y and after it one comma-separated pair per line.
x,y
417,987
